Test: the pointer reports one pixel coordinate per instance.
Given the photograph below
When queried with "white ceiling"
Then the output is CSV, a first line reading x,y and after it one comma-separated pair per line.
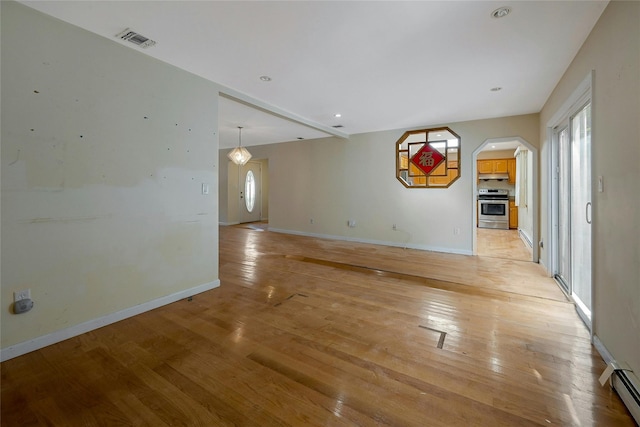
x,y
504,145
381,64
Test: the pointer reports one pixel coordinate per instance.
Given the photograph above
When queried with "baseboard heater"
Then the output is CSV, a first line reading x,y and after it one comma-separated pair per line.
x,y
626,385
525,238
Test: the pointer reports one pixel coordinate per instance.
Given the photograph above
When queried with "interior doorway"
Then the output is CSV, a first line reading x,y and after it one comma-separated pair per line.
x,y
518,182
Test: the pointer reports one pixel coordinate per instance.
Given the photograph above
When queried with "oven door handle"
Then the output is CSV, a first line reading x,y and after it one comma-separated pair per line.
x,y
587,212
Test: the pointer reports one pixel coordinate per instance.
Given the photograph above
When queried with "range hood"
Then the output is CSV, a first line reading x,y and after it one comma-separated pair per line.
x,y
495,176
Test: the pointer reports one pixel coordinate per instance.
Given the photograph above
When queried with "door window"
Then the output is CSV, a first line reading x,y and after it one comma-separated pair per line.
x,y
250,191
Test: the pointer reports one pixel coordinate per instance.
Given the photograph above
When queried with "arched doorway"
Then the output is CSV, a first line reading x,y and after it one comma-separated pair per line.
x,y
524,192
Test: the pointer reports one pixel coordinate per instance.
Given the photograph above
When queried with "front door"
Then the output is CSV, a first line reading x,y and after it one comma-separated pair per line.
x,y
250,192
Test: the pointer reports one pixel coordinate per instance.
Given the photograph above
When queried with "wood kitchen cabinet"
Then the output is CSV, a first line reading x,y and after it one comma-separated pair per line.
x,y
513,214
485,166
493,166
511,170
500,166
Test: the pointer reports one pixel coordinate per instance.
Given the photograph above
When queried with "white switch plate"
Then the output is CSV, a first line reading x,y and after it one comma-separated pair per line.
x,y
205,188
600,184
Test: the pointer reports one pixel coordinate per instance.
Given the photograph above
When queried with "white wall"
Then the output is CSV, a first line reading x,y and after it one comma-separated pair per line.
x,y
613,51
104,151
264,165
333,180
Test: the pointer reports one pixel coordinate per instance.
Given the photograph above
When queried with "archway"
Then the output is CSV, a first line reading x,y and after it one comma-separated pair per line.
x,y
530,236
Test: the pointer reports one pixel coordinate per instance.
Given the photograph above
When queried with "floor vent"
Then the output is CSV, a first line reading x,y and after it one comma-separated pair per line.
x,y
136,38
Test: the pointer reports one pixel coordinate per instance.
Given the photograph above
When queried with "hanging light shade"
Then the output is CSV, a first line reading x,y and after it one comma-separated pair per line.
x,y
239,155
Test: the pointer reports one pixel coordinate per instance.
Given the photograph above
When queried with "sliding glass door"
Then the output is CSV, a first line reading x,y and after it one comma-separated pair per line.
x,y
573,209
581,210
563,265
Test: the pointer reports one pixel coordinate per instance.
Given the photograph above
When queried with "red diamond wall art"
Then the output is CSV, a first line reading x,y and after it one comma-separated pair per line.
x,y
427,159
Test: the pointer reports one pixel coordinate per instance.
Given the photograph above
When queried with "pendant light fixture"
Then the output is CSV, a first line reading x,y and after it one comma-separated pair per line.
x,y
239,155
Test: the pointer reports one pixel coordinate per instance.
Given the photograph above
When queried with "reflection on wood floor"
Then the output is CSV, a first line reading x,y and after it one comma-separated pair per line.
x,y
258,225
502,244
311,332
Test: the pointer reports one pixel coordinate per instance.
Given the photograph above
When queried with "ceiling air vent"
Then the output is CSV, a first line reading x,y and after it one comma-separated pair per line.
x,y
136,38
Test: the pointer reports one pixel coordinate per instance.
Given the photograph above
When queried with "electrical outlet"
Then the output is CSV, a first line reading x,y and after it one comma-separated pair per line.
x,y
456,231
351,223
310,220
393,227
20,295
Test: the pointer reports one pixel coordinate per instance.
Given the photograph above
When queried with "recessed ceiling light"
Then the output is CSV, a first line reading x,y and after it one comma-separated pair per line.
x,y
496,89
338,115
501,12
265,78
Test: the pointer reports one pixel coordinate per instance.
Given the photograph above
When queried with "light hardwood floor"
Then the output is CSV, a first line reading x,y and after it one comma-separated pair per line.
x,y
309,332
501,244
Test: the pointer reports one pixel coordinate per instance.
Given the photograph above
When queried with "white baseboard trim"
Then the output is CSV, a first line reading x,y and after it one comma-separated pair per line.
x,y
546,270
604,353
63,334
228,223
374,242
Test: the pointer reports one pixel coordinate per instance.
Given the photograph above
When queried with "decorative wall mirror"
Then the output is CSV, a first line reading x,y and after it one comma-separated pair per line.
x,y
428,158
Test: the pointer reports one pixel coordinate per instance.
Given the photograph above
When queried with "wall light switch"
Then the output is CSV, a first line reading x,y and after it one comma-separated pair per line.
x,y
600,184
205,188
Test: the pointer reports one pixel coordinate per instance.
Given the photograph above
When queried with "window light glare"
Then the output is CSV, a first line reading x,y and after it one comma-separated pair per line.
x,y
451,143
